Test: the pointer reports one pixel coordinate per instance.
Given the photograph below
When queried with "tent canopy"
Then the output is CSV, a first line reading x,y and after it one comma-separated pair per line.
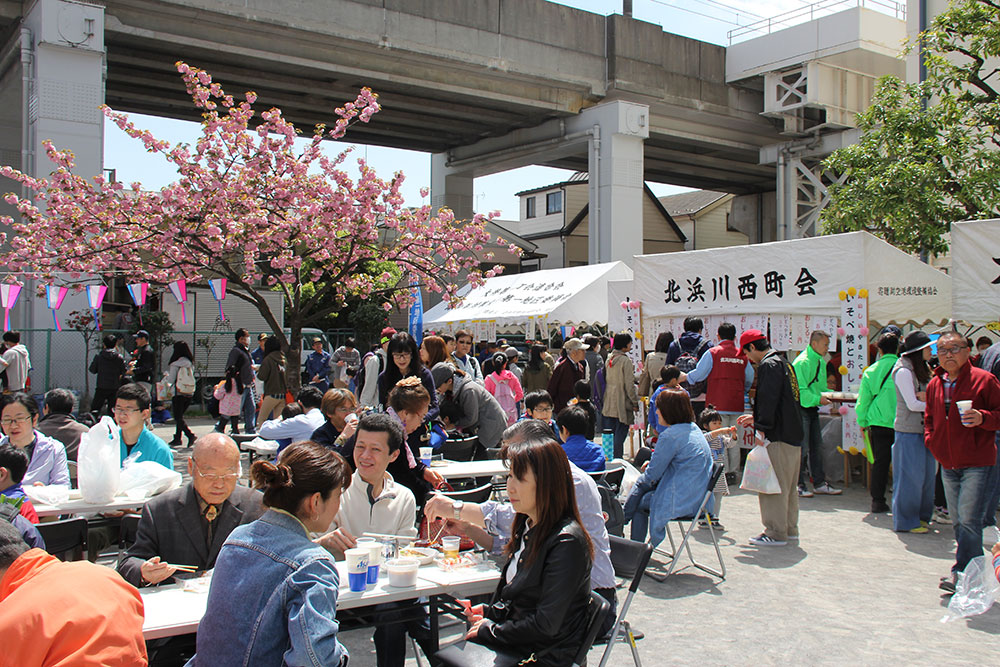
x,y
975,271
797,277
574,295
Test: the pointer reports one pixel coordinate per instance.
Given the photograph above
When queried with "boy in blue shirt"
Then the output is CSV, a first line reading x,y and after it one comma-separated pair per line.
x,y
132,408
539,405
587,455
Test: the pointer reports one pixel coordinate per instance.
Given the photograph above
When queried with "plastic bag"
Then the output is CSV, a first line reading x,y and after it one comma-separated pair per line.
x,y
976,590
99,462
759,473
51,494
628,481
142,479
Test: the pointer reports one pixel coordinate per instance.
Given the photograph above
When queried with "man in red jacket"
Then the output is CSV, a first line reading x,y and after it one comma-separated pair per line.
x,y
963,411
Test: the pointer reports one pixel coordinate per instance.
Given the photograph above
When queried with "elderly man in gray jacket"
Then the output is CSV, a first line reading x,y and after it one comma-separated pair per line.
x,y
477,410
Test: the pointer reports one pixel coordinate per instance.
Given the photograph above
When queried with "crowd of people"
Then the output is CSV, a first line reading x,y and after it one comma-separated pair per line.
x,y
349,462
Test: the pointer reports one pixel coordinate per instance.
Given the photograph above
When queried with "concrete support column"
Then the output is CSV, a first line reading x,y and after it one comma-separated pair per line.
x,y
451,189
615,163
62,73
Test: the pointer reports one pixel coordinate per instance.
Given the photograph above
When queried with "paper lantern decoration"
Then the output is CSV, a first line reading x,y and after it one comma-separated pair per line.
x,y
8,297
54,295
95,297
179,289
218,286
138,293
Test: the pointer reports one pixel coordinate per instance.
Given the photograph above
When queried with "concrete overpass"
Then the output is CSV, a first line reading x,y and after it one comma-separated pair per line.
x,y
485,85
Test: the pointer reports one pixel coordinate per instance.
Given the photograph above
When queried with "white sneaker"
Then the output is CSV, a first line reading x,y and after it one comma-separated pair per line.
x,y
763,540
827,490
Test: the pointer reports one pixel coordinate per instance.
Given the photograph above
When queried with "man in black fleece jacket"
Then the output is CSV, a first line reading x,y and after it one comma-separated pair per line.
x,y
776,414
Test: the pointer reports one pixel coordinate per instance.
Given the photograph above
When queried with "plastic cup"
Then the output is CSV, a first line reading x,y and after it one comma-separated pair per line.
x,y
450,546
357,568
425,455
403,571
351,419
374,559
963,406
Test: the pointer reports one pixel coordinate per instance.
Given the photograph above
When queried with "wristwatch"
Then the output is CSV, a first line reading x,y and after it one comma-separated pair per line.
x,y
456,507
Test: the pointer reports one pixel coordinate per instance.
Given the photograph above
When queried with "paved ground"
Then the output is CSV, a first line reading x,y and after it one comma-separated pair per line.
x,y
853,592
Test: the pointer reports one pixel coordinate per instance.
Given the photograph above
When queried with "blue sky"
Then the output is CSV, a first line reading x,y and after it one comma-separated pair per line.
x,y
708,20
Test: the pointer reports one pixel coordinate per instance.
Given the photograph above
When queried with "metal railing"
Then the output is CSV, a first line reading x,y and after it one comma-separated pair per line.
x,y
811,12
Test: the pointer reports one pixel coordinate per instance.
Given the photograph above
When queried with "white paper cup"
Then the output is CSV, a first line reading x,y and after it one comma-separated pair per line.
x,y
357,567
425,455
963,406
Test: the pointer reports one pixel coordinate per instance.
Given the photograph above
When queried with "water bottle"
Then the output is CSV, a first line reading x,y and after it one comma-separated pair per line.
x,y
608,443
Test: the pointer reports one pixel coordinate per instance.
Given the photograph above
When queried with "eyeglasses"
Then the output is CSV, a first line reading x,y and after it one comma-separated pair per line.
x,y
125,411
953,350
14,420
400,355
228,477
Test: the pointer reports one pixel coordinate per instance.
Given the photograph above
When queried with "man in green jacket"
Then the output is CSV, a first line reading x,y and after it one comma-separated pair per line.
x,y
810,370
876,411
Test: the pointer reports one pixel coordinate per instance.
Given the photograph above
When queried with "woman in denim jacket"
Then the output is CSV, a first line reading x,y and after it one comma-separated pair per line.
x,y
273,599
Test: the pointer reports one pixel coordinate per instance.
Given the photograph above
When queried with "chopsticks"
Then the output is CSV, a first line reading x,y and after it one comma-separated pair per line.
x,y
411,538
183,568
440,530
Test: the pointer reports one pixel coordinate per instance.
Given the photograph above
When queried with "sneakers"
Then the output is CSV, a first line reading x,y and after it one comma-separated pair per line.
x,y
703,523
827,490
879,507
919,530
763,540
804,492
941,516
947,584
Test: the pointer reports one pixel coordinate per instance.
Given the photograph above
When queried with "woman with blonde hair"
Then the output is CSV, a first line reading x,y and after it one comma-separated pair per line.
x,y
338,406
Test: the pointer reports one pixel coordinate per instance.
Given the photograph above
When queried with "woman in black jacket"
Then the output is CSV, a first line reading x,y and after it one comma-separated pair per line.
x,y
403,360
540,606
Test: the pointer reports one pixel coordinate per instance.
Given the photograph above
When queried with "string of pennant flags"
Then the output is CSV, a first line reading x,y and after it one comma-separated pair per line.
x,y
55,294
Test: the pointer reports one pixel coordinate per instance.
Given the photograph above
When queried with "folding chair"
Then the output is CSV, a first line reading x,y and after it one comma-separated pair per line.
x,y
611,476
470,654
65,539
675,554
71,467
479,494
459,449
629,559
126,536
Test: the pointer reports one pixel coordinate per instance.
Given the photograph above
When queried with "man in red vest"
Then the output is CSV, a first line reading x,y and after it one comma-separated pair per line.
x,y
729,375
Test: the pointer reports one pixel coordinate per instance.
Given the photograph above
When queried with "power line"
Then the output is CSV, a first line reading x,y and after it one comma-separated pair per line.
x,y
691,11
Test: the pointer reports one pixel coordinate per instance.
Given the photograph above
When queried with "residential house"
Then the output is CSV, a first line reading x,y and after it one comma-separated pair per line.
x,y
556,218
703,216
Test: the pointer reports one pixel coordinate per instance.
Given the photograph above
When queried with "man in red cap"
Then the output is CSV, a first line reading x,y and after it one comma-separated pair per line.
x,y
777,415
371,366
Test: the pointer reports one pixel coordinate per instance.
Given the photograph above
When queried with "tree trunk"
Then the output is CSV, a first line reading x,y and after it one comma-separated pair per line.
x,y
293,358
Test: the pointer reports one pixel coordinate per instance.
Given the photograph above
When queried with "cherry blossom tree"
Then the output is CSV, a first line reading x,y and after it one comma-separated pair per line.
x,y
251,206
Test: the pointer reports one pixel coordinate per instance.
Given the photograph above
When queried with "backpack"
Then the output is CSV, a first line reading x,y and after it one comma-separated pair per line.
x,y
186,383
598,386
505,397
687,362
359,379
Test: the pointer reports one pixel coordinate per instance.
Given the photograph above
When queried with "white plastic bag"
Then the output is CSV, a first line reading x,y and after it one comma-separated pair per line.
x,y
628,481
50,494
758,475
976,590
142,479
99,462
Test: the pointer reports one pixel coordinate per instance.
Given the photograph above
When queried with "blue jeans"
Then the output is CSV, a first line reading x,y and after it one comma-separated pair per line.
x,y
249,410
992,494
640,520
965,489
913,469
620,430
812,449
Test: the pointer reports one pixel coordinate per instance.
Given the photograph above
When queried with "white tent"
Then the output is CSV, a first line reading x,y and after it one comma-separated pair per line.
x,y
571,296
798,277
975,271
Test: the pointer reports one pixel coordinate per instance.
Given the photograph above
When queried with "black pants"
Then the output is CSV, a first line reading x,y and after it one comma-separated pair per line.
x,y
234,423
881,439
102,397
181,403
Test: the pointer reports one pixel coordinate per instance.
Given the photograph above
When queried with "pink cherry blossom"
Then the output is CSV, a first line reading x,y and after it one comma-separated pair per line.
x,y
250,205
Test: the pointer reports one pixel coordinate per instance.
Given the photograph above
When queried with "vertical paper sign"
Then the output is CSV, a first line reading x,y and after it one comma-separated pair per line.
x,y
633,316
781,332
95,297
54,295
854,360
491,330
